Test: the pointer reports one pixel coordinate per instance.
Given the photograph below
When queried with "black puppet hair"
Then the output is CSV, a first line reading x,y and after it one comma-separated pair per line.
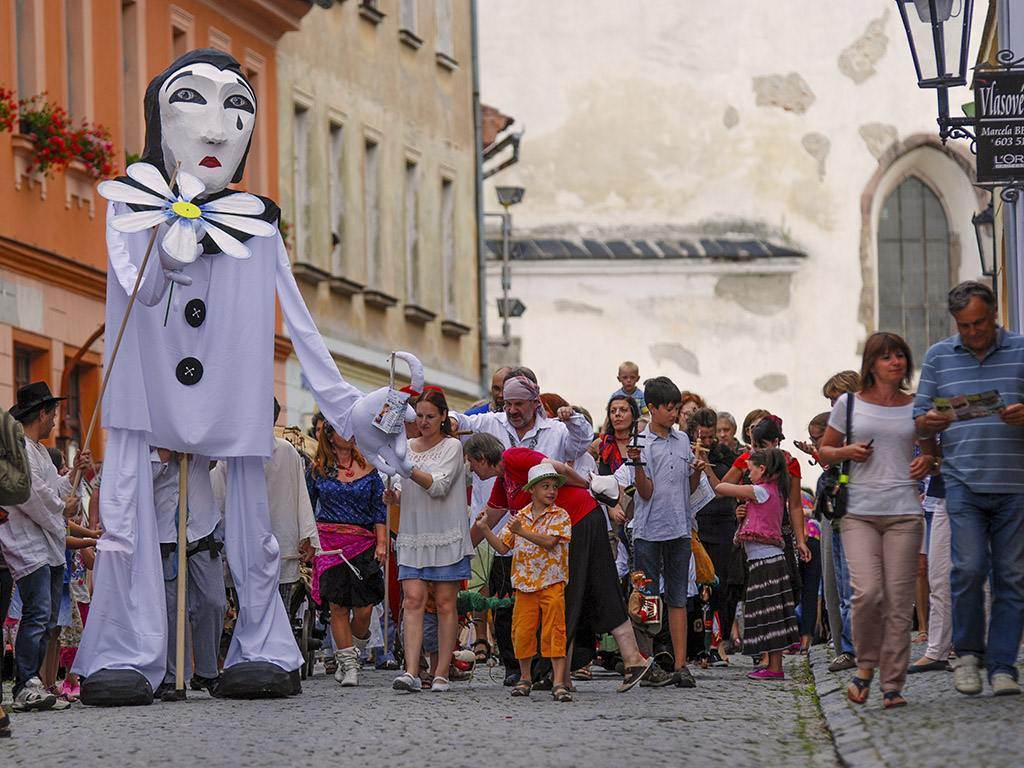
x,y
153,152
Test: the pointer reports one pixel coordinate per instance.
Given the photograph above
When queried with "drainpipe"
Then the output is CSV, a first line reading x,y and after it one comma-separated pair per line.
x,y
1011,35
478,152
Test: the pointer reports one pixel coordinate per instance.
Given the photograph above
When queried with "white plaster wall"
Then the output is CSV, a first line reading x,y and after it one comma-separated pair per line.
x,y
642,115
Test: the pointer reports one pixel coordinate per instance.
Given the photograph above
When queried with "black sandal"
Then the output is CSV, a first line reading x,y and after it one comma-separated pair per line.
x,y
893,699
561,693
858,689
522,688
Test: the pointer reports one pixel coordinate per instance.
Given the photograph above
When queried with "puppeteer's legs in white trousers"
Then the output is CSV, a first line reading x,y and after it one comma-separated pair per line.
x,y
127,627
262,631
125,639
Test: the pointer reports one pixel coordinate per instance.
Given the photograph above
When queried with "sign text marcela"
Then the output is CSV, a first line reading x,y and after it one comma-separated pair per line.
x,y
999,111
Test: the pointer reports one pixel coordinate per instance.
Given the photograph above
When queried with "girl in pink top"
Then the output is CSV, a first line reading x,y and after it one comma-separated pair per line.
x,y
769,612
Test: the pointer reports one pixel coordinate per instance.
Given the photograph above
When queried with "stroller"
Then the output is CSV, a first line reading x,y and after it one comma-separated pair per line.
x,y
309,634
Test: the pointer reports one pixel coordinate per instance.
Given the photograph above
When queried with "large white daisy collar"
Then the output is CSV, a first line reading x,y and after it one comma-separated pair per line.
x,y
188,222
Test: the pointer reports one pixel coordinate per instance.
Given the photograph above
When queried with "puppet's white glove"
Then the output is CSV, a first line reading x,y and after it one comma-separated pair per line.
x,y
386,452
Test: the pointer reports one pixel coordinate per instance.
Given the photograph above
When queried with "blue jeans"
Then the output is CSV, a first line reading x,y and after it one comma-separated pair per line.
x,y
981,523
844,589
40,604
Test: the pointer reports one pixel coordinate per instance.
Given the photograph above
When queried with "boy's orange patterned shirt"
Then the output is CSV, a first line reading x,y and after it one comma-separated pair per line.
x,y
533,567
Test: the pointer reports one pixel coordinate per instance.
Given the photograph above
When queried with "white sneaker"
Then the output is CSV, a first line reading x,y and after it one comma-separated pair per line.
x,y
1003,684
348,667
440,685
966,678
33,696
408,683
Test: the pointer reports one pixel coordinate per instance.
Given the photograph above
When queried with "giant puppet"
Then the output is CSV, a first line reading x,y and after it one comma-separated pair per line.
x,y
195,373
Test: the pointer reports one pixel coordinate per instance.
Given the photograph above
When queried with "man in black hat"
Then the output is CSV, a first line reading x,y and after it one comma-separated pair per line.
x,y
33,540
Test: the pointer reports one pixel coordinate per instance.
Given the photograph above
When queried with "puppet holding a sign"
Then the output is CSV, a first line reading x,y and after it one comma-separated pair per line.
x,y
194,373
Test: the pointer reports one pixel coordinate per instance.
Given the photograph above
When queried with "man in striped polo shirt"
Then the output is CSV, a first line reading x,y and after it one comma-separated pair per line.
x,y
983,467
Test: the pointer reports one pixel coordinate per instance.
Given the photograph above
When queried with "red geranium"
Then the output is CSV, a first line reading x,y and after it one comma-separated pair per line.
x,y
8,110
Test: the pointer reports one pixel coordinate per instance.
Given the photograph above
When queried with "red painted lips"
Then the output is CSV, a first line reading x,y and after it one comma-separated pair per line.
x,y
210,162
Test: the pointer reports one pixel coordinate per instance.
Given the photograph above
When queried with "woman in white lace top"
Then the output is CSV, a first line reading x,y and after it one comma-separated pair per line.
x,y
434,547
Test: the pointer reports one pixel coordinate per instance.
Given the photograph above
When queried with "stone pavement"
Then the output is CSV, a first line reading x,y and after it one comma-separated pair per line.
x,y
727,721
939,727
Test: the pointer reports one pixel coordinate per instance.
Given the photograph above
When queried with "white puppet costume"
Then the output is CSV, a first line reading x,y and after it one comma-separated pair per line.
x,y
194,373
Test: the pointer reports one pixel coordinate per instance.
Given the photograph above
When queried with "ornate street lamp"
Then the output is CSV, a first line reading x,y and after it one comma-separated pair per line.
x,y
939,34
984,231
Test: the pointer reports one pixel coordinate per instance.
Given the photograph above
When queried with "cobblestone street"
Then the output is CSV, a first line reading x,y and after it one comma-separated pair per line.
x,y
728,720
939,727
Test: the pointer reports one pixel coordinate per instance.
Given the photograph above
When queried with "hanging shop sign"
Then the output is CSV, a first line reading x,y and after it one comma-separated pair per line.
x,y
999,115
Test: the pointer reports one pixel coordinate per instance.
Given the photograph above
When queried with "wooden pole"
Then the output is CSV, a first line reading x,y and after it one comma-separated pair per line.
x,y
387,532
77,478
179,655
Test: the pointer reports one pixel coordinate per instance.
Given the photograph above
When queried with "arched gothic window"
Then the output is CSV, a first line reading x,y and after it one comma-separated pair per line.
x,y
913,267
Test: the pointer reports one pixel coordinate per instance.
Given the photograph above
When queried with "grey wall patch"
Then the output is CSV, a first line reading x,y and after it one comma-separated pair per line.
x,y
578,307
731,118
789,92
858,60
8,303
817,146
878,137
678,354
771,382
759,294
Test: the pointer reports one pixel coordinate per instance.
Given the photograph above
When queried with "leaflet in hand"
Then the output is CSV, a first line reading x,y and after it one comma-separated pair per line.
x,y
974,406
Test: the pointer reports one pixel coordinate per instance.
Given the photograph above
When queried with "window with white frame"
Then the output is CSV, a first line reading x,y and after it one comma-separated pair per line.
x,y
443,16
131,79
28,16
77,67
448,247
256,174
300,181
336,194
412,235
182,31
914,272
407,15
371,209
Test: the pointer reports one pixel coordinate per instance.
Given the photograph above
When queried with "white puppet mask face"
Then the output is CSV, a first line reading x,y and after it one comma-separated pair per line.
x,y
206,121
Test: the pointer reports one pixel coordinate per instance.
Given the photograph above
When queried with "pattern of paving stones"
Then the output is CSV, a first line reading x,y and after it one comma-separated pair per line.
x,y
727,721
939,727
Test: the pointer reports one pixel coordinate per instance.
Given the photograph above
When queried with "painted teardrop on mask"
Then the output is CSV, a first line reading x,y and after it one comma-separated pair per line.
x,y
238,123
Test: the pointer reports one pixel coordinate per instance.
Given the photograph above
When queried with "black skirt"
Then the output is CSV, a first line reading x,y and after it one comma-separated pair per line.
x,y
593,598
769,615
339,586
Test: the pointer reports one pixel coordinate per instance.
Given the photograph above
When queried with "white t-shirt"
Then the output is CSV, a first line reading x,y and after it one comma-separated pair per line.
x,y
882,484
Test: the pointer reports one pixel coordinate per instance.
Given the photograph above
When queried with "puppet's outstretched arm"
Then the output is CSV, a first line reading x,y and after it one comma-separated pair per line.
x,y
345,407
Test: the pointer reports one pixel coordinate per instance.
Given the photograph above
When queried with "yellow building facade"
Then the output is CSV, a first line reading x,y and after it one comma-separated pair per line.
x,y
377,189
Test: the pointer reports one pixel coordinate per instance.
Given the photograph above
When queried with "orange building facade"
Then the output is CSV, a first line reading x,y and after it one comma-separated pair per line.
x,y
94,58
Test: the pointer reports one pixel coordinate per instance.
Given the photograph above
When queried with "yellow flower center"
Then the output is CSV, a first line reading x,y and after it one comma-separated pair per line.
x,y
186,210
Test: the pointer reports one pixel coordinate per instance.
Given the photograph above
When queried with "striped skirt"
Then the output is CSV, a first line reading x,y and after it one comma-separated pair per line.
x,y
769,615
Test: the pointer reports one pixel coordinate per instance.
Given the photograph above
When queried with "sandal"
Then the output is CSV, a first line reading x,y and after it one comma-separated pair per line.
x,y
858,689
482,655
561,693
893,699
583,673
522,688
